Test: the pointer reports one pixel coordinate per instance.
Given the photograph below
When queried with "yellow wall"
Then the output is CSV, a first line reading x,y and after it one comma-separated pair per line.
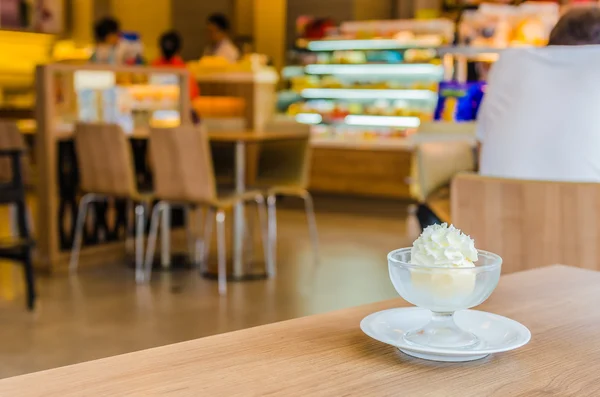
x,y
372,10
149,18
83,20
427,8
269,29
244,17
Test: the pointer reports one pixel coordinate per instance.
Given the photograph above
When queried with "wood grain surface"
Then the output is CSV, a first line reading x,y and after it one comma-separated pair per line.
x,y
530,224
254,136
328,355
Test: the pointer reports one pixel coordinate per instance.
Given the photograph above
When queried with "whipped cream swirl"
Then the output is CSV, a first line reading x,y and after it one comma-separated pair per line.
x,y
445,246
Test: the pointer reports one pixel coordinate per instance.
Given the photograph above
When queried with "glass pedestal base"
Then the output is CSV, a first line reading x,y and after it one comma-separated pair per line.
x,y
442,332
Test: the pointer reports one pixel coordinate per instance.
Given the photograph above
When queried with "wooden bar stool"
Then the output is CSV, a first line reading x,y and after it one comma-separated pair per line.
x,y
184,176
13,169
106,170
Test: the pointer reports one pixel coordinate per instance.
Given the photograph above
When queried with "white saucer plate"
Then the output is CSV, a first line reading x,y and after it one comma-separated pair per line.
x,y
497,334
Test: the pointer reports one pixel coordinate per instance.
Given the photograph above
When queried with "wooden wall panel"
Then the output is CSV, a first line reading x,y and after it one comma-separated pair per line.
x,y
361,172
530,224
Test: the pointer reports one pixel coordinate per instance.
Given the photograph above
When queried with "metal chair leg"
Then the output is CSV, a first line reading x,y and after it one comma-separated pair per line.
x,y
189,235
222,275
264,228
312,224
129,241
249,236
152,235
79,224
140,228
203,244
23,226
272,235
29,279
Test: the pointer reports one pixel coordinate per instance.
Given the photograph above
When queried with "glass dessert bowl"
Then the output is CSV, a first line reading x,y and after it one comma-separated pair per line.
x,y
443,287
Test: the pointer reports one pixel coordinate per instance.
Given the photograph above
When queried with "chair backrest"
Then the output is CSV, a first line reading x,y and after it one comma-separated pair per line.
x,y
530,223
105,160
182,164
10,138
285,162
438,162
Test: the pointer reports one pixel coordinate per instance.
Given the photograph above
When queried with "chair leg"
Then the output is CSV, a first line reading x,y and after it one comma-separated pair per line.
x,y
23,226
79,225
29,278
221,252
272,235
264,228
312,224
203,244
140,226
129,241
189,235
249,236
152,235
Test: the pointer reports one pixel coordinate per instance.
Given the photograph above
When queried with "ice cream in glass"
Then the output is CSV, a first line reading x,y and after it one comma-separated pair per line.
x,y
443,272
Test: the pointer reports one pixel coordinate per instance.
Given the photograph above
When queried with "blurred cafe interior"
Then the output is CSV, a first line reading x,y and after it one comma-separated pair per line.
x,y
186,170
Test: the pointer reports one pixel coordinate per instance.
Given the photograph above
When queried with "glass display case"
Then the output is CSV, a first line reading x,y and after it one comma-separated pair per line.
x,y
372,80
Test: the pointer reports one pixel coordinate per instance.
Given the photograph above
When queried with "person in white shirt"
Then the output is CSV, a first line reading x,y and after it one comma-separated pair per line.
x,y
220,43
107,34
540,117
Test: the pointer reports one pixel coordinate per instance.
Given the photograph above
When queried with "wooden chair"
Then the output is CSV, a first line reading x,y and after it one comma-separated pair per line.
x,y
530,223
12,192
284,170
106,170
184,176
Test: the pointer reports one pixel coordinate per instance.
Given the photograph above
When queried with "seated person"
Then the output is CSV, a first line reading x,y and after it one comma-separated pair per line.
x,y
170,44
107,34
220,44
540,117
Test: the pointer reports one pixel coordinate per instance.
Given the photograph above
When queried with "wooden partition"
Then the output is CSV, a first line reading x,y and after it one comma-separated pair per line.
x,y
67,94
530,223
257,90
252,94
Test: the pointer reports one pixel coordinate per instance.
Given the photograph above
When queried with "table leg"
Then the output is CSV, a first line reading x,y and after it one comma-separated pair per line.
x,y
240,187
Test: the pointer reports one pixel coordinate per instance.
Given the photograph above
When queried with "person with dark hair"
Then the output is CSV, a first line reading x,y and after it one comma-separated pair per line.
x,y
220,44
170,44
578,26
107,34
539,117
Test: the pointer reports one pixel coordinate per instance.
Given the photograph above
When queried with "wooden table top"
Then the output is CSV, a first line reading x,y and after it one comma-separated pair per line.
x,y
329,355
238,136
248,136
27,127
255,136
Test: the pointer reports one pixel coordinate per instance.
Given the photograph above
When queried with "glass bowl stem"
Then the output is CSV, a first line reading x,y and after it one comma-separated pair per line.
x,y
441,332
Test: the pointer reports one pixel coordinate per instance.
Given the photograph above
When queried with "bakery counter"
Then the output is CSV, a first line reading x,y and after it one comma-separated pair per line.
x,y
385,167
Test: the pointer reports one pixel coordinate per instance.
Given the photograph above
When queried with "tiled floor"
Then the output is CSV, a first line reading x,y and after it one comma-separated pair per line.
x,y
101,312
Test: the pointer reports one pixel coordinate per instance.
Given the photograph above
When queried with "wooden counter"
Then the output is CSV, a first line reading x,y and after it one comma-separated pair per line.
x,y
328,355
378,167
